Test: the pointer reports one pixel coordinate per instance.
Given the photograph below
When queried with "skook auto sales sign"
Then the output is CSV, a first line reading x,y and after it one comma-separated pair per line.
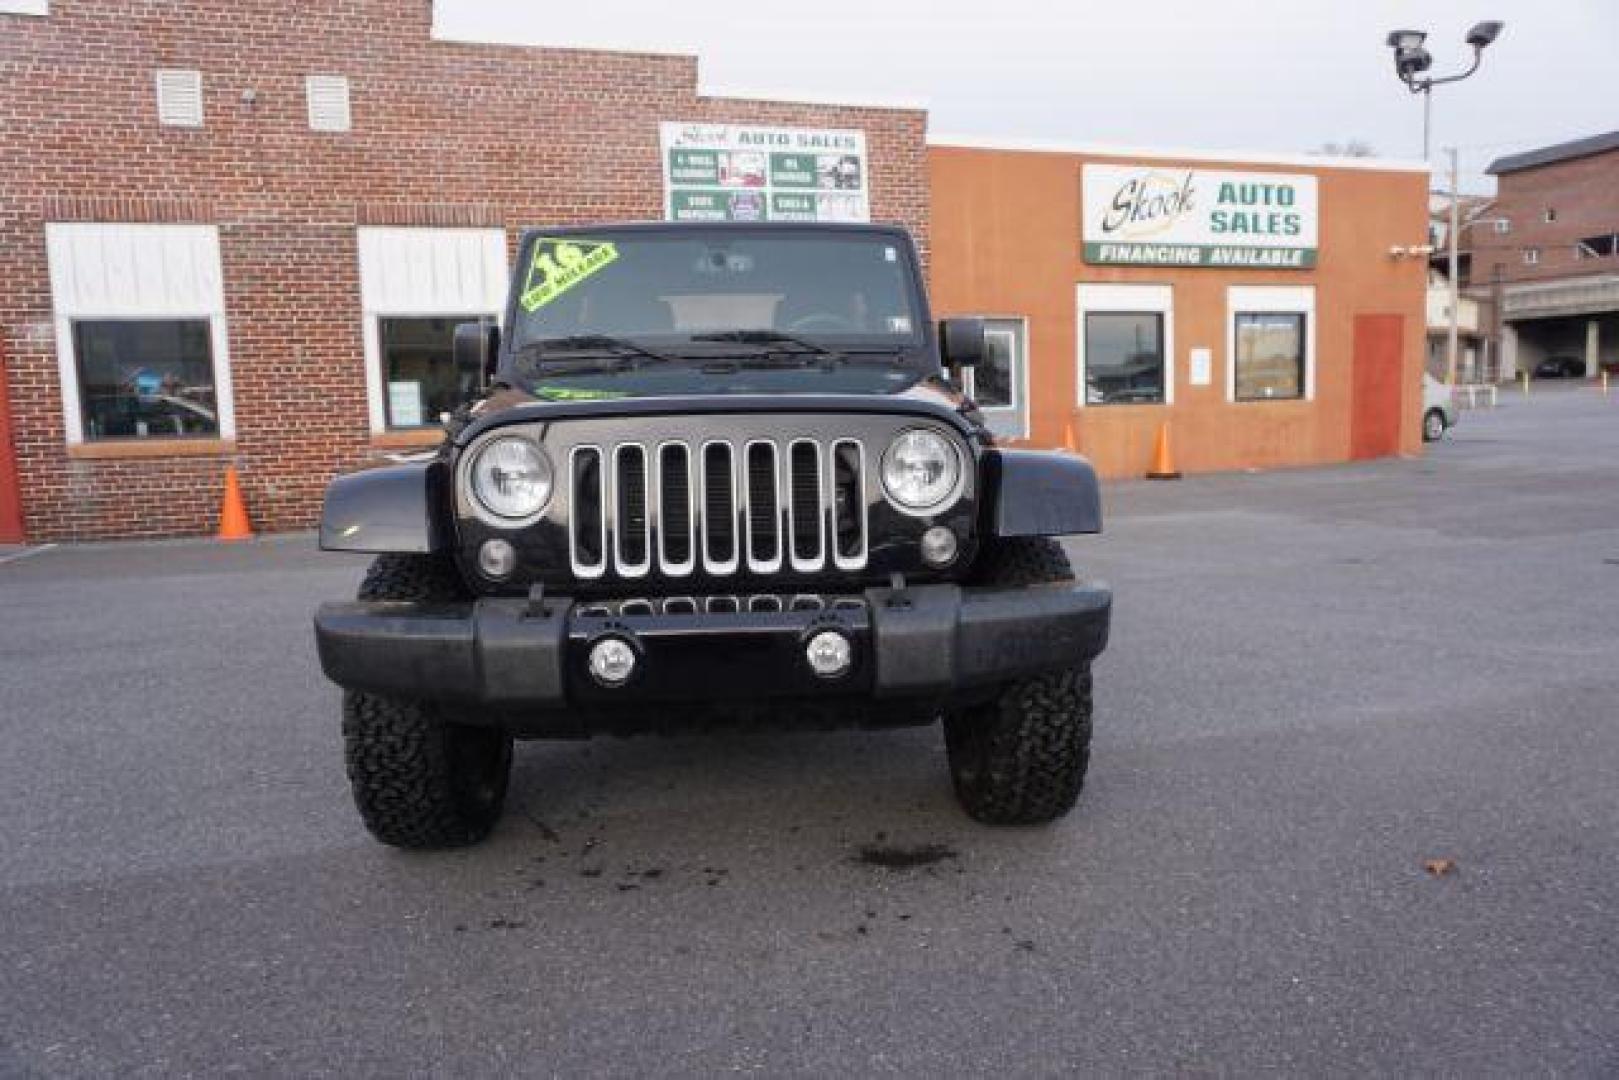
x,y
1161,215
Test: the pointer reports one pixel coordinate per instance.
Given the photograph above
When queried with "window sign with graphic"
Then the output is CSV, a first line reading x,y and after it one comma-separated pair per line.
x,y
736,172
1164,215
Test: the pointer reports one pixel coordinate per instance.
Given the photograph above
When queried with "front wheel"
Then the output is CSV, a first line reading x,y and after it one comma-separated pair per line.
x,y
1020,758
420,781
1433,426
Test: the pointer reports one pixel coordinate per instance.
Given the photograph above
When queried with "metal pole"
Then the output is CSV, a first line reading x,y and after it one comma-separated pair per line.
x,y
1427,115
1455,260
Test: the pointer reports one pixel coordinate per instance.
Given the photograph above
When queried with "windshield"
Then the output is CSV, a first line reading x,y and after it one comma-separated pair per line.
x,y
684,287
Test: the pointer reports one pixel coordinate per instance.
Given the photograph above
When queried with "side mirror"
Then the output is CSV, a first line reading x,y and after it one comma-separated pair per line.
x,y
961,341
477,347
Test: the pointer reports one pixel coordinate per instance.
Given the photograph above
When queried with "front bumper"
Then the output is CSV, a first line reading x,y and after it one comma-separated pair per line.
x,y
917,641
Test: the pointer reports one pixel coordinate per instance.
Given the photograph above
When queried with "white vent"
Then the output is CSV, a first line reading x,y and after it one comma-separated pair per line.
x,y
179,98
328,102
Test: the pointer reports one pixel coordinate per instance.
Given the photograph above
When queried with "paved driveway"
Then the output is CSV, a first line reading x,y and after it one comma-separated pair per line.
x,y
1319,680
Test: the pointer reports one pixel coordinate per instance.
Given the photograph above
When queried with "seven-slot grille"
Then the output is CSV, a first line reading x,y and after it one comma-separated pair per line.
x,y
761,505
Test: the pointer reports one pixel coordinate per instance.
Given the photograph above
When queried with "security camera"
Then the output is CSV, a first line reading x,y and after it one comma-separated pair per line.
x,y
1411,62
1484,33
1406,39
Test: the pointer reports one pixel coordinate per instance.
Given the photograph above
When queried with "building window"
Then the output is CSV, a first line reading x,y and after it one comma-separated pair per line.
x,y
1124,357
415,285
179,98
1597,247
1270,343
146,378
1502,225
1126,344
1531,256
1550,215
998,383
1269,356
327,97
141,342
418,363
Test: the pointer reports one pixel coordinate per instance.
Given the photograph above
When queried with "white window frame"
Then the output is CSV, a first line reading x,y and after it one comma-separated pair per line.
x,y
379,301
1531,256
1017,411
1103,298
1269,300
1503,226
205,300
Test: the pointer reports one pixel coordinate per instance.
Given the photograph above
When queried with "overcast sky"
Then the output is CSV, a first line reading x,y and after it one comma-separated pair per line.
x,y
1285,75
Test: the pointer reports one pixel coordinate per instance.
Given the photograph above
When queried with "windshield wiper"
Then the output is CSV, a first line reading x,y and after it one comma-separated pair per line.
x,y
617,348
801,346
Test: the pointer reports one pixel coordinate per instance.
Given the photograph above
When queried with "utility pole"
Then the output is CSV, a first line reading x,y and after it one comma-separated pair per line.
x,y
1427,121
1455,264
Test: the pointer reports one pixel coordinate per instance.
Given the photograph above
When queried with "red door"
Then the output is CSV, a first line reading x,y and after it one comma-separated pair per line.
x,y
1379,393
10,490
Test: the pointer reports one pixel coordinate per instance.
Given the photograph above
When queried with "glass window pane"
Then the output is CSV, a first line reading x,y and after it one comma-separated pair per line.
x,y
992,377
1270,356
146,379
420,378
1124,357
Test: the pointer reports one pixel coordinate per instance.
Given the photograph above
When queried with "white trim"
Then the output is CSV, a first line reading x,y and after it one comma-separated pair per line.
x,y
1109,297
139,272
791,96
1253,157
1269,300
25,7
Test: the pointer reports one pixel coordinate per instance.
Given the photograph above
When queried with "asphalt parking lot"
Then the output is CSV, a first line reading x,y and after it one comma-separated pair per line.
x,y
1319,681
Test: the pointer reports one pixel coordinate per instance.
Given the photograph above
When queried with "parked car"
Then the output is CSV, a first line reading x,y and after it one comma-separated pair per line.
x,y
1439,412
718,473
1561,367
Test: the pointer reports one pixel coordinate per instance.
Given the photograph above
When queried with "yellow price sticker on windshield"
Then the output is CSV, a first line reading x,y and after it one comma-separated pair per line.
x,y
559,265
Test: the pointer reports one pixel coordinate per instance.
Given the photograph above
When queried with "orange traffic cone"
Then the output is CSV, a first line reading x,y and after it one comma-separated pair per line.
x,y
233,523
1163,463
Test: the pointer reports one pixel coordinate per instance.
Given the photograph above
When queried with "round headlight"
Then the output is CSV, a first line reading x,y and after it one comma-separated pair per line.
x,y
511,478
920,469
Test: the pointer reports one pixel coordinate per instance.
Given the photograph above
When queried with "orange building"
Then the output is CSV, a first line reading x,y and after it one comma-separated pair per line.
x,y
1269,309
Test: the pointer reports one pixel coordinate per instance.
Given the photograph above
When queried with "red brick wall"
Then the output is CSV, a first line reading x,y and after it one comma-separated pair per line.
x,y
443,134
1583,193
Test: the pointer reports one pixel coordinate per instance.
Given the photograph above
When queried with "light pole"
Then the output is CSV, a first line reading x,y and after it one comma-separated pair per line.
x,y
1411,60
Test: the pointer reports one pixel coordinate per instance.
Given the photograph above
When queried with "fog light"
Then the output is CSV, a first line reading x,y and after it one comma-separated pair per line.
x,y
829,654
497,558
939,546
612,661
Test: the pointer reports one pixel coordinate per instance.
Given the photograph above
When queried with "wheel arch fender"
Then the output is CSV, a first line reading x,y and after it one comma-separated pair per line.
x,y
390,508
1040,493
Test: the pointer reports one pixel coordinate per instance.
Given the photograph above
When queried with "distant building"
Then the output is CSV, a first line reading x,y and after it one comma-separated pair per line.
x,y
1543,258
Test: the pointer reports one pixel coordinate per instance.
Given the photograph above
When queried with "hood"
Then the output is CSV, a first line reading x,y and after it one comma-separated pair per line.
x,y
649,390
687,380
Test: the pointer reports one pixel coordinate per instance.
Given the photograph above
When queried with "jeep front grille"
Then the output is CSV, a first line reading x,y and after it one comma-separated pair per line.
x,y
759,505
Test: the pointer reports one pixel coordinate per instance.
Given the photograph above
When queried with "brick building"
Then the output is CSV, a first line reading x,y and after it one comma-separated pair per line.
x,y
243,234
276,202
1543,257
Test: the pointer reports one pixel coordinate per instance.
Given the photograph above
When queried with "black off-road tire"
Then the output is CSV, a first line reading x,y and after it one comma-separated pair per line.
x,y
1433,425
1020,758
418,780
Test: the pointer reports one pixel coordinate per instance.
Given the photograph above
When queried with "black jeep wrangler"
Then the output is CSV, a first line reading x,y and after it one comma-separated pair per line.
x,y
720,473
